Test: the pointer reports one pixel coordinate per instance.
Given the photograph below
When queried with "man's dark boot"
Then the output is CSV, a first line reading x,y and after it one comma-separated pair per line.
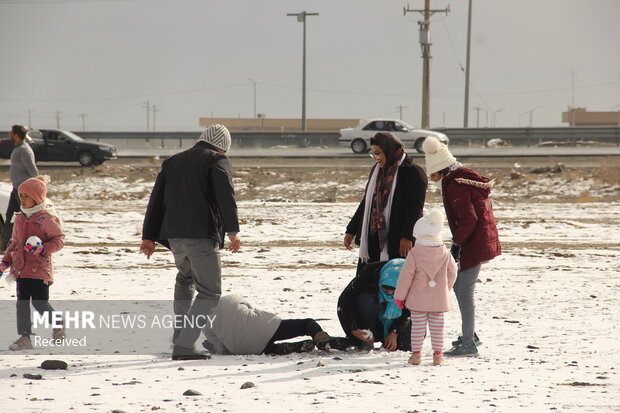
x,y
183,353
208,346
324,341
282,349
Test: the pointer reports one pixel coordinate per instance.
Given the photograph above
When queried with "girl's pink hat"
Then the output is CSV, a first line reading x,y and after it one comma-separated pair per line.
x,y
35,188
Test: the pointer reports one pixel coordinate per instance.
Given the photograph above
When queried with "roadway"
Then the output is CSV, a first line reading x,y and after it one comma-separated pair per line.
x,y
336,152
591,156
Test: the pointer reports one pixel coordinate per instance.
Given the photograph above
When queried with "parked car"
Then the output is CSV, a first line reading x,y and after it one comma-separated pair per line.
x,y
5,195
62,146
358,138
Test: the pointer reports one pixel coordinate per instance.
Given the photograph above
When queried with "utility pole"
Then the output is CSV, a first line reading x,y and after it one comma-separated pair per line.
x,y
57,113
466,109
254,81
147,106
400,110
155,110
494,113
29,118
520,116
425,44
301,18
83,116
477,116
532,110
572,77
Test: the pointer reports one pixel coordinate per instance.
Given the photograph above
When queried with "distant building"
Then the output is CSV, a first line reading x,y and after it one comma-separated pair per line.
x,y
581,117
263,124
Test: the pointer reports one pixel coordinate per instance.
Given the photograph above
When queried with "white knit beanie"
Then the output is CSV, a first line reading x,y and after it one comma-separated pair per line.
x,y
218,136
437,155
429,227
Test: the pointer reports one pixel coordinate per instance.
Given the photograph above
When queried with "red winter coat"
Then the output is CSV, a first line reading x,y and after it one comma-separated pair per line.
x,y
24,264
470,216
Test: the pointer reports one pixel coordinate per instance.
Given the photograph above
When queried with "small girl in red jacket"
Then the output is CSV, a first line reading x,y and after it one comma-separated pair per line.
x,y
37,234
424,285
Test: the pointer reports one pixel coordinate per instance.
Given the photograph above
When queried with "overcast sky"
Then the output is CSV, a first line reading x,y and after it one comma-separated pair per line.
x,y
194,58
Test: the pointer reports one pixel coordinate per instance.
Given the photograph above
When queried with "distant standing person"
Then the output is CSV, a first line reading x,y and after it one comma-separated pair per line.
x,y
192,206
475,240
22,168
393,201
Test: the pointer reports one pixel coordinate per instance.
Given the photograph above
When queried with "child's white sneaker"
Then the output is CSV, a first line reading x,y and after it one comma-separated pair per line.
x,y
22,343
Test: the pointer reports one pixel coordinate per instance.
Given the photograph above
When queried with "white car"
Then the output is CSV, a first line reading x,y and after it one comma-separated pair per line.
x,y
5,195
358,138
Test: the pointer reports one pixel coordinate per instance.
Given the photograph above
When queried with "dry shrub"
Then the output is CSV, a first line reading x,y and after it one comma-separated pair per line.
x,y
585,197
609,171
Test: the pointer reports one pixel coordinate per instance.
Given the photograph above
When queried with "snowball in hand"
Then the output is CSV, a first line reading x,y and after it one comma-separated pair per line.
x,y
34,240
367,334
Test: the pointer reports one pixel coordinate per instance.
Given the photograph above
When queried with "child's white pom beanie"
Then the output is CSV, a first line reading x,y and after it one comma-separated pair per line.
x,y
437,155
430,226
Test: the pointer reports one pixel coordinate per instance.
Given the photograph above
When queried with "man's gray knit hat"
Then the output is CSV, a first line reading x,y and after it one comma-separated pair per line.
x,y
217,135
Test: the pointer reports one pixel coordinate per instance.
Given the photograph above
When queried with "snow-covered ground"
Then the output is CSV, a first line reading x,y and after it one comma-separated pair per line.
x,y
547,314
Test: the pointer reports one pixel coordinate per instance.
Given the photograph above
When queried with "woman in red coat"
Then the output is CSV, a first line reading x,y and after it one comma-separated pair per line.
x,y
474,234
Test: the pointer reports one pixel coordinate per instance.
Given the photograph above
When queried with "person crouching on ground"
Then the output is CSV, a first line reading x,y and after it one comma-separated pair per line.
x,y
239,328
424,285
475,240
37,234
367,311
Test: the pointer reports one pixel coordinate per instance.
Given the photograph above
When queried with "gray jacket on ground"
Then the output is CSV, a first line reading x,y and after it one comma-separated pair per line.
x,y
22,164
238,328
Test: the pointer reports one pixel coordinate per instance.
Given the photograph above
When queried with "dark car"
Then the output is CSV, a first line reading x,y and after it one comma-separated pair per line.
x,y
62,146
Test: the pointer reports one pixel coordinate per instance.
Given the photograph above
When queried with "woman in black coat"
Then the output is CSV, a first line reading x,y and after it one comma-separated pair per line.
x,y
393,201
362,306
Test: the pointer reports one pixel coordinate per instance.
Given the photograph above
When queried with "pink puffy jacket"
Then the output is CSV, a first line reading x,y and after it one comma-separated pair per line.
x,y
24,264
423,265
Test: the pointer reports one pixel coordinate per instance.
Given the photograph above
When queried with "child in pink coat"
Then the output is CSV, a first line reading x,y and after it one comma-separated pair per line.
x,y
37,233
424,285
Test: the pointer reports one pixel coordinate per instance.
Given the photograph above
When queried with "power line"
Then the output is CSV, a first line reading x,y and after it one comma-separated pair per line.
x,y
449,95
125,97
64,1
329,91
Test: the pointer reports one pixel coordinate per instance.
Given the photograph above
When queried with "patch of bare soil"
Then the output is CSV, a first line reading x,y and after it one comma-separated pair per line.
x,y
338,183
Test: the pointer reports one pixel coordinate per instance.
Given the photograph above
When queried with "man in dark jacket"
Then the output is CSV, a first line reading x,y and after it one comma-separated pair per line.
x,y
475,239
192,206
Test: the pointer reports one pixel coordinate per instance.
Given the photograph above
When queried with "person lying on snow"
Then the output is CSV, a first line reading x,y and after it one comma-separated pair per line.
x,y
239,328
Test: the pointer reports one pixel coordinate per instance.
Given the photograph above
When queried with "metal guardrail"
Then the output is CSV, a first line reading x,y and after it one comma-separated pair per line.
x,y
137,140
458,136
533,136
